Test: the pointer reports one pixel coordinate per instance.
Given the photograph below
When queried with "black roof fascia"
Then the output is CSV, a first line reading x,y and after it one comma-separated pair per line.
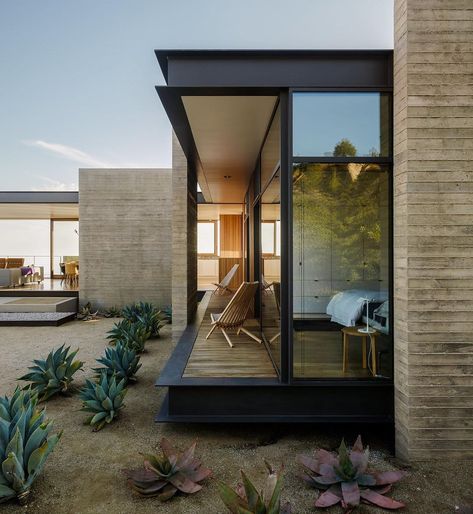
x,y
277,68
39,197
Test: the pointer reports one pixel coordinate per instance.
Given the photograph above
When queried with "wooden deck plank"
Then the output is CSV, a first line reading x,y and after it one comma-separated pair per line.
x,y
213,357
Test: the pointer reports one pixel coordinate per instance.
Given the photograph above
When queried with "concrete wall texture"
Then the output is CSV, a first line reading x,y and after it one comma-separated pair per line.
x,y
184,241
125,236
433,215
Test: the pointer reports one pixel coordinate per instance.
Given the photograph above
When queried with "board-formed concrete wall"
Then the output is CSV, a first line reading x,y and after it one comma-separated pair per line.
x,y
433,238
125,236
184,241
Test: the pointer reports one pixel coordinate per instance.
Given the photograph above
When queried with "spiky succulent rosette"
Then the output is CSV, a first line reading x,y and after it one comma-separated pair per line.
x,y
345,478
121,361
132,335
103,399
146,314
167,474
247,500
25,443
53,375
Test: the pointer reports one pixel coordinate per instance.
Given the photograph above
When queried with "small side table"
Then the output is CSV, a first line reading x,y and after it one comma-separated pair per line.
x,y
353,331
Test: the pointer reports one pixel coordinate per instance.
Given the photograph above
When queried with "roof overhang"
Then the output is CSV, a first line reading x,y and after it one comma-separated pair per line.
x,y
22,205
203,73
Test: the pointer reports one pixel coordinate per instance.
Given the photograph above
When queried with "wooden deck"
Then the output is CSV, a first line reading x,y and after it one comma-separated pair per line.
x,y
213,357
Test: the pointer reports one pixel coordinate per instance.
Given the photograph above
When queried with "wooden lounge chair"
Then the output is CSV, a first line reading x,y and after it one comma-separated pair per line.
x,y
222,287
234,314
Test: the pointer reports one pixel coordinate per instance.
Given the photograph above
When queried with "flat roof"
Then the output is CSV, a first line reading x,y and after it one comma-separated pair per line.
x,y
39,197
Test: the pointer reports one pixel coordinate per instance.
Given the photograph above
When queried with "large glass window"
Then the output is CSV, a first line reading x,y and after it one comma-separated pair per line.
x,y
271,268
27,239
207,237
341,259
270,154
341,124
65,235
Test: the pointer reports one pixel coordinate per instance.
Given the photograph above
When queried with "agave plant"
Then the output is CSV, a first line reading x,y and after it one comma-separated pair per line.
x,y
85,313
132,335
112,312
167,474
148,315
344,478
246,499
103,399
25,443
53,375
121,361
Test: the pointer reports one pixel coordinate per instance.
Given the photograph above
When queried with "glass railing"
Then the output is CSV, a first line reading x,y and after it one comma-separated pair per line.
x,y
40,260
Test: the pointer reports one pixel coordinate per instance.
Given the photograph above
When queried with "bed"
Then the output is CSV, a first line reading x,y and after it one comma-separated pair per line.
x,y
348,308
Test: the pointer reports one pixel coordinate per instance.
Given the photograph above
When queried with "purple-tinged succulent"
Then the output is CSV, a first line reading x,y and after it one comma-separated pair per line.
x,y
165,475
344,478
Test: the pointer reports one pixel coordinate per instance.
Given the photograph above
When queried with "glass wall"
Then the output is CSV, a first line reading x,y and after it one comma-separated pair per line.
x,y
65,234
341,124
341,237
271,268
28,239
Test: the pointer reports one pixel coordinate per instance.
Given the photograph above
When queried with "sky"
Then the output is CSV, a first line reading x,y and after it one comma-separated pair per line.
x,y
77,77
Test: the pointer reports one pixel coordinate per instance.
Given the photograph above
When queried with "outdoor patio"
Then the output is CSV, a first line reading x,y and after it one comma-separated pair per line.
x,y
213,357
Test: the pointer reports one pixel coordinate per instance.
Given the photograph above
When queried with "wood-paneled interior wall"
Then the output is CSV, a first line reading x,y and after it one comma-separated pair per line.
x,y
231,247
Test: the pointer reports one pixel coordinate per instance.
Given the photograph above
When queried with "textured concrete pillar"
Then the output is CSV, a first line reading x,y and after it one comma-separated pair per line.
x,y
125,236
433,216
184,240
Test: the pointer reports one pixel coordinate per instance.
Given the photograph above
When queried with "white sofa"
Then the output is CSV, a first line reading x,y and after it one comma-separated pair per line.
x,y
12,277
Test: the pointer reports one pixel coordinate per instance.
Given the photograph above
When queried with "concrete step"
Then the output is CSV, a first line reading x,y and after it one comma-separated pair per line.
x,y
38,304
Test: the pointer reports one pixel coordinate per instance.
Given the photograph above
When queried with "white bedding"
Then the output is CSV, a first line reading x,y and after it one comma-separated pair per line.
x,y
346,307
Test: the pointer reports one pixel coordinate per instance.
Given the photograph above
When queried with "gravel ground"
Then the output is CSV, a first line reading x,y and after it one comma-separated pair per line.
x,y
83,475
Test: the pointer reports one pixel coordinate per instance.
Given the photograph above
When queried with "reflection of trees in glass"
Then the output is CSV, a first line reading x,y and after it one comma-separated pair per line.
x,y
344,148
337,208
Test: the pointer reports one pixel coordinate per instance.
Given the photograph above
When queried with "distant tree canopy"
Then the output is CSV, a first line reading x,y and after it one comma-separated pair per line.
x,y
344,148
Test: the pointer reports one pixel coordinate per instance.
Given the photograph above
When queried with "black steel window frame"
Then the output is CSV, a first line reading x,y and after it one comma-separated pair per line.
x,y
288,159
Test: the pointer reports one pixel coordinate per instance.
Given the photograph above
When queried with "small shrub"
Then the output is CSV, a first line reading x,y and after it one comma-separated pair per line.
x,y
53,375
25,444
146,314
121,361
103,399
344,478
113,312
85,313
246,498
132,335
164,476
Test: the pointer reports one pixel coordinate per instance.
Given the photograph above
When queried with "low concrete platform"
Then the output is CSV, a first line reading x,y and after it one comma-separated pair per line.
x,y
35,319
40,304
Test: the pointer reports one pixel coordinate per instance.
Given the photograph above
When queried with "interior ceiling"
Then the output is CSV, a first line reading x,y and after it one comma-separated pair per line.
x,y
31,211
212,211
228,132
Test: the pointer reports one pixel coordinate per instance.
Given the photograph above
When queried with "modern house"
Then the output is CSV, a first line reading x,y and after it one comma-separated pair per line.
x,y
341,182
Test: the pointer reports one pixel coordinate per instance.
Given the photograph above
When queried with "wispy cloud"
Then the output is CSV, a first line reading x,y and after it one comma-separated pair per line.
x,y
55,185
71,153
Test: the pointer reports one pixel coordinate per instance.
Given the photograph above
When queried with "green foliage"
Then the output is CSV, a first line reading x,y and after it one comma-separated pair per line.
x,y
85,313
146,314
344,478
167,474
103,399
113,312
246,499
344,148
132,335
342,207
53,375
25,443
121,361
